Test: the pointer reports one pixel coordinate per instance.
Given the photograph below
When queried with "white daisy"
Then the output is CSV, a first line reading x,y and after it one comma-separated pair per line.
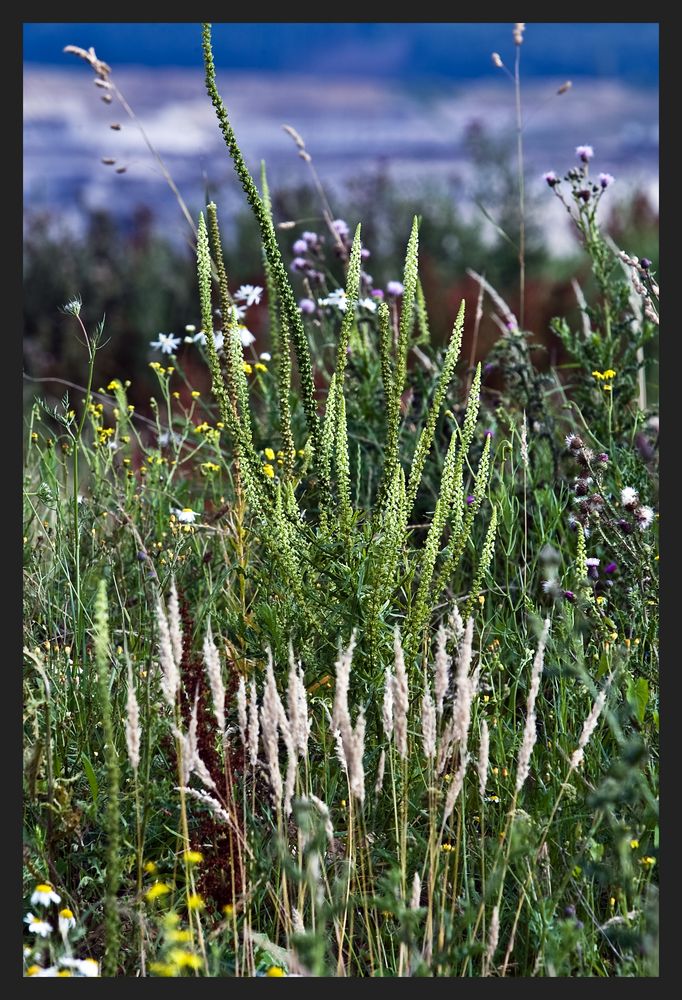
x,y
218,340
238,313
185,515
38,926
44,894
245,336
370,304
36,972
67,921
336,298
167,343
83,966
249,293
629,496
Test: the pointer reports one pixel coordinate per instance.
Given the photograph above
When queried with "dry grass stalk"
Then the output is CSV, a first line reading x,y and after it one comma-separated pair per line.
x,y
242,711
483,758
215,679
132,726
401,698
170,669
530,728
254,724
441,679
428,725
493,938
590,724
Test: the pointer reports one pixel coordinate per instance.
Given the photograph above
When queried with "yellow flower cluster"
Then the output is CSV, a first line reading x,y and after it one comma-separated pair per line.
x,y
605,378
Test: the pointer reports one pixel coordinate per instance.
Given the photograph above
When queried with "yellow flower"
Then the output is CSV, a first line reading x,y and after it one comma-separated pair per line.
x,y
176,395
114,384
161,969
634,844
648,861
175,936
275,970
150,866
269,470
157,890
260,367
182,959
228,909
33,970
195,394
193,857
195,901
269,454
247,367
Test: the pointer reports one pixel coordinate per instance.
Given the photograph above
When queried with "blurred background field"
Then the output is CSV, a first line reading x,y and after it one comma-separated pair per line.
x,y
399,118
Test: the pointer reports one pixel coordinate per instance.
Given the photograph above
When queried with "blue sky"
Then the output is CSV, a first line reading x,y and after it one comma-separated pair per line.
x,y
628,51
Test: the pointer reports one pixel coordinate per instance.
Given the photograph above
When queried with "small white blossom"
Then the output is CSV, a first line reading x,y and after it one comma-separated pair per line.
x,y
370,304
336,298
266,356
83,966
167,343
38,926
44,895
249,293
66,922
185,515
245,336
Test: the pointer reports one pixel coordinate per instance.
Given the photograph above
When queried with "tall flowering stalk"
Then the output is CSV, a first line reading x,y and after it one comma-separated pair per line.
x,y
113,814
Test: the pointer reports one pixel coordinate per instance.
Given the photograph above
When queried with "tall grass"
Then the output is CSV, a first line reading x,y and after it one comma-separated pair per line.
x,y
343,670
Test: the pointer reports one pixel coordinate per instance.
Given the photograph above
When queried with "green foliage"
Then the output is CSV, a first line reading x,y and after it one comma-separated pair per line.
x,y
299,535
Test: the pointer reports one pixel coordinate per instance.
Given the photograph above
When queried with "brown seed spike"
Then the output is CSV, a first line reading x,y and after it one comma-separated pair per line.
x,y
108,161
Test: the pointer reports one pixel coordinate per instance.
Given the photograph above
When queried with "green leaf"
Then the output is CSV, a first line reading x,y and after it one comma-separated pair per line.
x,y
638,697
92,779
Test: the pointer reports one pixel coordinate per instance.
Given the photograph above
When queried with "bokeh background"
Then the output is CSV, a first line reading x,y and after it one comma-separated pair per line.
x,y
398,118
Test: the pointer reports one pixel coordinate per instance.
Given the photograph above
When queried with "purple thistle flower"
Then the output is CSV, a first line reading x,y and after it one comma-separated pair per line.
x,y
584,152
299,264
395,288
340,228
307,306
300,246
364,253
611,567
551,178
606,179
470,499
584,193
645,263
310,238
569,595
377,293
602,457
488,433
